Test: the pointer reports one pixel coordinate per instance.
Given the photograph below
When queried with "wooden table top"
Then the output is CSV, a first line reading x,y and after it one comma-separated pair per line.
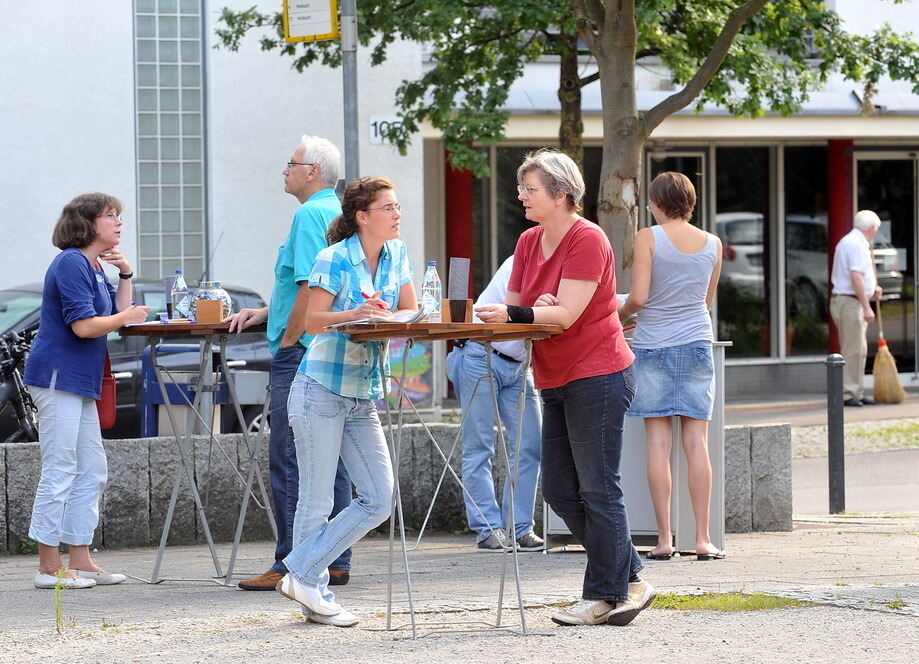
x,y
480,332
174,329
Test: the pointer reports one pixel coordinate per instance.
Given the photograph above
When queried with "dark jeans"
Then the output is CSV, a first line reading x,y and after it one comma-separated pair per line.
x,y
581,453
282,461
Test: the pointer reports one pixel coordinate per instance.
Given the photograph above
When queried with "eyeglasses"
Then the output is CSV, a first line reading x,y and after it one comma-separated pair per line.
x,y
392,208
291,164
527,190
111,215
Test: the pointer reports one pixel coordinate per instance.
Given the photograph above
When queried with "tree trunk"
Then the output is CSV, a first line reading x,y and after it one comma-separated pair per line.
x,y
571,126
623,141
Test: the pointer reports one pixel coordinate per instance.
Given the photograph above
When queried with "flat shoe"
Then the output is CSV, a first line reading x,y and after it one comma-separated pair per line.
x,y
101,578
343,618
52,581
308,596
717,555
658,556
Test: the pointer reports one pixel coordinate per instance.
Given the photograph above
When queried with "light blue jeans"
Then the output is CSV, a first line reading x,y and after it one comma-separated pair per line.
x,y
73,468
328,426
465,366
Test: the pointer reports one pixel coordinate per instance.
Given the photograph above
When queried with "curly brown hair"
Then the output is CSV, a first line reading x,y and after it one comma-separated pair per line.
x,y
359,195
77,226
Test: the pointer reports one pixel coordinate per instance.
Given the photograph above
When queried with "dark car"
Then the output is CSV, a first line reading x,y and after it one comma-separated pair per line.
x,y
19,308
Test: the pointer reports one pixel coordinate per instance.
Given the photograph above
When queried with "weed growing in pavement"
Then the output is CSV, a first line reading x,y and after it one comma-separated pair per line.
x,y
57,601
902,434
840,583
897,603
734,601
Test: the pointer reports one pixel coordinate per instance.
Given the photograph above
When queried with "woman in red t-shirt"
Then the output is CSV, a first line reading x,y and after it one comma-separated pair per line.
x,y
564,274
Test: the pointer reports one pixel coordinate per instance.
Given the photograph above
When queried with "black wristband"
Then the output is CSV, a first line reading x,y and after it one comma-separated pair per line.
x,y
517,314
129,275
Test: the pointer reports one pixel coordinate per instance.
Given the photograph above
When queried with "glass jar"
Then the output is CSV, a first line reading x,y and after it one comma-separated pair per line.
x,y
211,290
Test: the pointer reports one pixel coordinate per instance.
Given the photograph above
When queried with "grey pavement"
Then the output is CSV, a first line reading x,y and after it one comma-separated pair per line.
x,y
862,571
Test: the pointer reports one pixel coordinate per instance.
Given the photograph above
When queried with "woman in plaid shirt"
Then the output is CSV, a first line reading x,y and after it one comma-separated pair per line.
x,y
365,272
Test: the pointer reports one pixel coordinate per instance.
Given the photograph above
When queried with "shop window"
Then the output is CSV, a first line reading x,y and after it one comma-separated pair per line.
x,y
806,266
742,222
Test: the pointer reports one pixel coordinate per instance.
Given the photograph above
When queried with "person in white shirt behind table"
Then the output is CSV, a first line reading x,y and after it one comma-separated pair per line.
x,y
466,367
854,286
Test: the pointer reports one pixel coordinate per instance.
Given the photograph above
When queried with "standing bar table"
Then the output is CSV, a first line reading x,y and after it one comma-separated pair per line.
x,y
203,411
485,334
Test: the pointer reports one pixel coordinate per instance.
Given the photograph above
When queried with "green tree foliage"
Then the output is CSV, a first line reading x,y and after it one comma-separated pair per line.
x,y
749,57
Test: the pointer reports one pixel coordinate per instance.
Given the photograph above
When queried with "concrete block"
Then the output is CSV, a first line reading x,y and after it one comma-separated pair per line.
x,y
738,480
257,526
164,461
23,470
771,476
219,484
125,511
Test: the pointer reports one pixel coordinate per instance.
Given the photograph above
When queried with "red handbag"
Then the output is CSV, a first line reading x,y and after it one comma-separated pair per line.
x,y
106,404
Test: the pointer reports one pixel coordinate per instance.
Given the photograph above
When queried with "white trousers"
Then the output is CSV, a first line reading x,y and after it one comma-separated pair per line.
x,y
73,469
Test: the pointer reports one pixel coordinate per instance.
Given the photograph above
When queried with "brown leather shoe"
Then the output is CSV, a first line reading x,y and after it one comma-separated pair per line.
x,y
266,581
339,577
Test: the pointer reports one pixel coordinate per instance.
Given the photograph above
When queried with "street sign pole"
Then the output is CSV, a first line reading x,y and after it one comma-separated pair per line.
x,y
349,80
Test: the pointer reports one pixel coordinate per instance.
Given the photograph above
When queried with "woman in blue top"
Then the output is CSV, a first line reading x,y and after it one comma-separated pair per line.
x,y
365,272
673,283
64,372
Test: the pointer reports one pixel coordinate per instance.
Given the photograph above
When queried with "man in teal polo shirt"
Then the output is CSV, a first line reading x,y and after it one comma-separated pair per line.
x,y
310,176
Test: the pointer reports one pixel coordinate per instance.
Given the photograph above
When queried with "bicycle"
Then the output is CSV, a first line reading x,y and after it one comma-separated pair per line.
x,y
15,400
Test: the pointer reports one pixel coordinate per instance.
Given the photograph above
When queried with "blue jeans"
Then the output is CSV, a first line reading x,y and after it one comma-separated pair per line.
x,y
282,461
465,366
581,453
328,426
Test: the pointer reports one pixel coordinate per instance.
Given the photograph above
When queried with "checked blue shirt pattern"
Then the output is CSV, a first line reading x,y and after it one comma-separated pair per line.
x,y
348,368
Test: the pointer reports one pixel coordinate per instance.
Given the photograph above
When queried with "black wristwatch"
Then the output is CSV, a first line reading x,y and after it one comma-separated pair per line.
x,y
129,275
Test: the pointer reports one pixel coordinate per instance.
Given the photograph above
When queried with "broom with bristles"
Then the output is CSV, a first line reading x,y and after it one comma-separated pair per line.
x,y
887,388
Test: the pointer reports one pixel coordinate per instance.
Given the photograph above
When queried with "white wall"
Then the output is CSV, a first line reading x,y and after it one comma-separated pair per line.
x,y
67,127
258,107
865,16
66,121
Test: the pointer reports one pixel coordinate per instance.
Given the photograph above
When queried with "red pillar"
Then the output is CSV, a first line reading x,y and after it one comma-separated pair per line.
x,y
840,206
458,194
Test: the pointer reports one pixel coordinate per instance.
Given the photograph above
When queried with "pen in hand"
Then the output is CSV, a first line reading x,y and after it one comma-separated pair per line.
x,y
370,297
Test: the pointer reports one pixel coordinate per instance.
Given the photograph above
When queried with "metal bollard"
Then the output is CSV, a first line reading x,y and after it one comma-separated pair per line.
x,y
836,434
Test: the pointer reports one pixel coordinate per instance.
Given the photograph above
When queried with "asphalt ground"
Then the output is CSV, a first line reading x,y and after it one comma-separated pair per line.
x,y
858,569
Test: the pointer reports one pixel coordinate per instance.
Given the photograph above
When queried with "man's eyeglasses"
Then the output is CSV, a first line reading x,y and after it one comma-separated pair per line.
x,y
111,215
291,164
529,190
392,208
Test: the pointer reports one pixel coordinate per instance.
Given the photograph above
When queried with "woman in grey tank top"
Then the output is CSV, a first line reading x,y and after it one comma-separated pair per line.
x,y
674,279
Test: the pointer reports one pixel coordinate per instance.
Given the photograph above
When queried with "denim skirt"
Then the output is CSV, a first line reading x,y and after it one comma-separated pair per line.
x,y
677,380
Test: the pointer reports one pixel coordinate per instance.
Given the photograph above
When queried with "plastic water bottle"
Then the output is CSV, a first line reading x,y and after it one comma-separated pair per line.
x,y
431,293
179,296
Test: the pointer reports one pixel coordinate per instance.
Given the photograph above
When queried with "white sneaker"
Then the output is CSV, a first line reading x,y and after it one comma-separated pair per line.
x,y
101,578
585,612
343,618
641,595
51,581
308,596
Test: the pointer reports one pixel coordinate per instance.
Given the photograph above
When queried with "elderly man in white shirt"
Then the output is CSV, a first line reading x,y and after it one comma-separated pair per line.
x,y
854,285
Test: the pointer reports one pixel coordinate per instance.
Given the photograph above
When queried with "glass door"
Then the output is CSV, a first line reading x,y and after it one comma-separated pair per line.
x,y
886,183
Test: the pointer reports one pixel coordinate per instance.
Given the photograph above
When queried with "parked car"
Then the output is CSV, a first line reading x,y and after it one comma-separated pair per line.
x,y
19,308
741,236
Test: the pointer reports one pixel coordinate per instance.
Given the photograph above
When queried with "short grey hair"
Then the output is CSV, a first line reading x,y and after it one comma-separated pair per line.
x,y
867,220
325,155
557,171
